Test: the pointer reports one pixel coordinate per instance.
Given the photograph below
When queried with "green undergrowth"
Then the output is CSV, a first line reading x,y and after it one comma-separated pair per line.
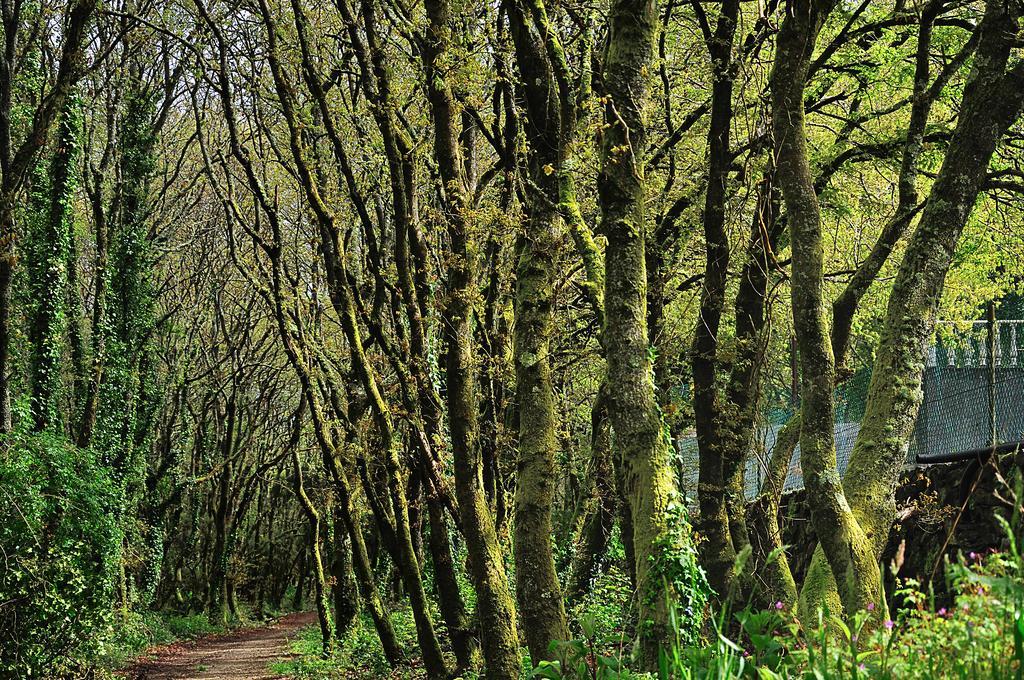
x,y
602,616
979,635
358,655
137,631
60,548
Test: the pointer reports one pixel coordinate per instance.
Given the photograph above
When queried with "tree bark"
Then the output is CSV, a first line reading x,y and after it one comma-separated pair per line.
x,y
643,447
842,538
550,118
717,550
992,101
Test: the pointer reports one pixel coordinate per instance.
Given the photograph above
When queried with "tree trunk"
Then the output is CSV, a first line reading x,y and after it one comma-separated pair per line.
x,y
537,588
323,611
453,609
773,579
346,603
992,101
53,205
87,420
843,540
494,604
744,382
218,606
365,580
299,594
550,121
717,551
648,479
590,558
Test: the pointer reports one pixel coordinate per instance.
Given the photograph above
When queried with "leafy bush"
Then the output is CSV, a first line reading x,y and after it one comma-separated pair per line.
x,y
60,543
136,631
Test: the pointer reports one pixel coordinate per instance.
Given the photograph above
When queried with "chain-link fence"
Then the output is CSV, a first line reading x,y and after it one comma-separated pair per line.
x,y
973,400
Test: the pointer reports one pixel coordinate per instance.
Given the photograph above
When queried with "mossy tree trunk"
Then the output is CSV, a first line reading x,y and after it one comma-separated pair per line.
x,y
537,587
744,382
643,447
992,101
773,578
495,608
776,581
549,125
842,539
717,550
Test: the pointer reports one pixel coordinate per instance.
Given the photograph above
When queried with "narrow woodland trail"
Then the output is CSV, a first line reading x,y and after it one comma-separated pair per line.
x,y
240,655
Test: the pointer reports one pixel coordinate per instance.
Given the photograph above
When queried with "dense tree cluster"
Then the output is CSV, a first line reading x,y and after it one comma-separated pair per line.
x,y
362,301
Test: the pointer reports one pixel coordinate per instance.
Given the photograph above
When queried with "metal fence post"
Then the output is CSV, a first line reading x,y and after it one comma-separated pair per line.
x,y
992,358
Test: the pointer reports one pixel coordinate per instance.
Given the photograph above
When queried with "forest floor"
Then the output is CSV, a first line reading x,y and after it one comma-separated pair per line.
x,y
244,654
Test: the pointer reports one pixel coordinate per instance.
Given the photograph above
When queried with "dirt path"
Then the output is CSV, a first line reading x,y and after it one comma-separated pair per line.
x,y
239,655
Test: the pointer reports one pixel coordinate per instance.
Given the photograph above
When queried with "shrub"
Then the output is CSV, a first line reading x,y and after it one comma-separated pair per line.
x,y
60,544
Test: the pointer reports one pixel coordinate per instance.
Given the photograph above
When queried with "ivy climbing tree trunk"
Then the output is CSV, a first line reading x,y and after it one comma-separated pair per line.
x,y
17,157
51,223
